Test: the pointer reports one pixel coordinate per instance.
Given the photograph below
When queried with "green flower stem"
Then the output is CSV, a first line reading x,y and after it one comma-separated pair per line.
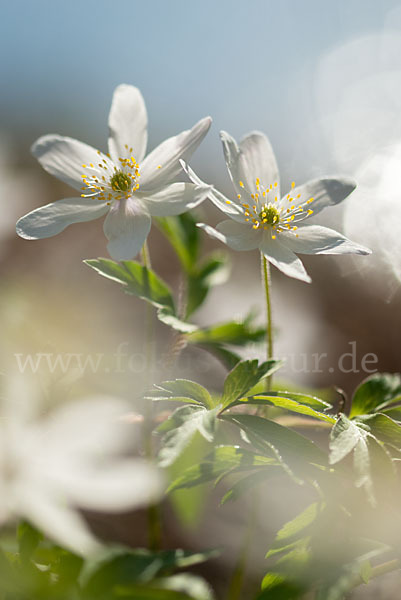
x,y
153,513
146,256
269,328
378,570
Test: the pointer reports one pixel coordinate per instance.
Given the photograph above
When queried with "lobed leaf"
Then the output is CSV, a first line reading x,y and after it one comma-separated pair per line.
x,y
120,572
293,402
180,429
184,236
245,484
291,446
137,280
217,463
244,377
182,390
237,333
383,428
376,392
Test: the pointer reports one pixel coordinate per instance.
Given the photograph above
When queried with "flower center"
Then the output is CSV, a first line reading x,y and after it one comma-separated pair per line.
x,y
278,215
269,215
121,182
109,181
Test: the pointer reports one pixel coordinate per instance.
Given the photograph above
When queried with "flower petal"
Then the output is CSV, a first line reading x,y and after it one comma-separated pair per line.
x,y
128,122
238,236
253,158
107,435
126,227
53,218
283,258
114,486
229,207
174,199
162,164
51,515
325,192
63,157
314,239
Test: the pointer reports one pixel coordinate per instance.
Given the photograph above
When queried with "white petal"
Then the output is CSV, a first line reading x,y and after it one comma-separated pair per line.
x,y
126,227
283,258
325,192
107,432
314,239
128,122
174,199
229,207
49,220
115,486
163,163
51,515
237,236
253,158
63,157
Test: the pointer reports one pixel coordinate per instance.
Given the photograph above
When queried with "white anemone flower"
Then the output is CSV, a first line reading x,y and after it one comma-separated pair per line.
x,y
122,183
77,456
261,218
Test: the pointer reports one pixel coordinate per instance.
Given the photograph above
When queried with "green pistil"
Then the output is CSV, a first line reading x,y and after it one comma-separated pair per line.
x,y
269,215
121,182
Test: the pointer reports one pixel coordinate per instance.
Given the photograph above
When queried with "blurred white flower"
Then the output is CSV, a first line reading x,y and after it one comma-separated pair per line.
x,y
260,218
374,214
74,457
124,184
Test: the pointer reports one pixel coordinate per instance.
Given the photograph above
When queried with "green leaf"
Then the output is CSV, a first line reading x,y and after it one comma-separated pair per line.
x,y
137,280
168,318
145,284
124,568
348,436
183,390
244,377
394,412
340,584
221,460
275,587
189,503
228,358
376,392
245,484
291,446
184,236
292,402
237,333
295,529
216,338
28,540
192,586
181,427
67,567
215,270
365,571
304,399
383,428
345,435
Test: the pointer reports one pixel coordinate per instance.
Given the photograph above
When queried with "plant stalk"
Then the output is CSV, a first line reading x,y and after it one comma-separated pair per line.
x,y
269,327
153,511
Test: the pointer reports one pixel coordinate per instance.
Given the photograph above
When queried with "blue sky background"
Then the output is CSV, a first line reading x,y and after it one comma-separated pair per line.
x,y
251,65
